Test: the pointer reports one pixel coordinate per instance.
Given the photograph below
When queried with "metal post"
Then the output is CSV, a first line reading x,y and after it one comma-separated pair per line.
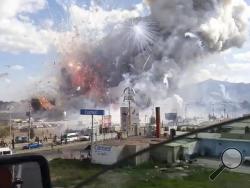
x,y
102,127
29,124
224,110
213,110
10,124
65,121
92,133
129,116
186,109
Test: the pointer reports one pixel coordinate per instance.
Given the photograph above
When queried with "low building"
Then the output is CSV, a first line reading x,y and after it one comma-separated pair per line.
x,y
216,146
231,135
179,150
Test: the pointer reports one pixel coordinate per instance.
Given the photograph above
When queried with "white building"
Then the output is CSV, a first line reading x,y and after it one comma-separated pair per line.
x,y
135,120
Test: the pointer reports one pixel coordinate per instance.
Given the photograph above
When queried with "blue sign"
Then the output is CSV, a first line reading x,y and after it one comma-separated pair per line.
x,y
92,112
103,148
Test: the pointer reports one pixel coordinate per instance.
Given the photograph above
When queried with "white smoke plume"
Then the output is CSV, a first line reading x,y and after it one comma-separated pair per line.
x,y
111,50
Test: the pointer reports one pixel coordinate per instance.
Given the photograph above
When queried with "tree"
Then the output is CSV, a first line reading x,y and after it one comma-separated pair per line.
x,y
247,130
152,120
32,133
4,132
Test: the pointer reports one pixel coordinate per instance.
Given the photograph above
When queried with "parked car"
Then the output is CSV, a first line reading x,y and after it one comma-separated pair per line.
x,y
84,137
71,137
21,139
59,141
33,145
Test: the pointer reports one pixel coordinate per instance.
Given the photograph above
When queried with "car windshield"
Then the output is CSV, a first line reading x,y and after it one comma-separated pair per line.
x,y
72,136
128,93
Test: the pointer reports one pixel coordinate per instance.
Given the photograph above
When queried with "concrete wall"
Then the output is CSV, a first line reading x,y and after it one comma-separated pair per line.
x,y
209,135
191,148
106,155
214,148
131,149
166,153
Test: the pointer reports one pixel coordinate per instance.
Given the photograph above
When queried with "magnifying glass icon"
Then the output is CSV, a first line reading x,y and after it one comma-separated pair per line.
x,y
231,159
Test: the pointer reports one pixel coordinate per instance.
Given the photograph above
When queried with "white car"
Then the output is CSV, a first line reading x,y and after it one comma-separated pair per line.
x,y
84,137
72,137
5,151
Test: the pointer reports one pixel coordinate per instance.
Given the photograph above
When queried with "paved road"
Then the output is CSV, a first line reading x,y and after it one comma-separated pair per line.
x,y
56,152
48,147
213,163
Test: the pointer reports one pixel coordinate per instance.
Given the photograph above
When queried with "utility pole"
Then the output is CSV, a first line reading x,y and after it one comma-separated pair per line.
x,y
10,119
224,110
129,114
65,121
213,110
29,113
92,132
10,125
145,120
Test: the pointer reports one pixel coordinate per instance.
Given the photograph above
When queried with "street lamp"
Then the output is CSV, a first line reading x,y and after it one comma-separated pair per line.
x,y
10,124
65,123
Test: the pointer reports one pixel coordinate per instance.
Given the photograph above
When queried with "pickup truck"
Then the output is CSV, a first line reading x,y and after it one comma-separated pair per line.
x,y
5,151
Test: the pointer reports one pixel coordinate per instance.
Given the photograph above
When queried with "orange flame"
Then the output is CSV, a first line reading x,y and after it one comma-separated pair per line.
x,y
45,103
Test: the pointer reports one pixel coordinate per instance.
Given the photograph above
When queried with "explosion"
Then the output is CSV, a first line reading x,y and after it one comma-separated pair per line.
x,y
85,79
148,53
45,103
42,103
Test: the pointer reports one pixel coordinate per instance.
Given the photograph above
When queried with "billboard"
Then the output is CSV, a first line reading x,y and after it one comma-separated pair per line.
x,y
106,121
171,116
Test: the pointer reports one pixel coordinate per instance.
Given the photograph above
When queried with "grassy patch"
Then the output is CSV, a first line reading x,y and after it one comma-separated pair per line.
x,y
149,175
65,173
193,178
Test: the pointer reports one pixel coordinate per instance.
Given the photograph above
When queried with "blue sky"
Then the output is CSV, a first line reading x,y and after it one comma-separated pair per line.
x,y
28,29
25,65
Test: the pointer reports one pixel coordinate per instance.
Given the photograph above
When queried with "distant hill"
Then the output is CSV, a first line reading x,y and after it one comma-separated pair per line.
x,y
18,111
201,97
221,94
13,106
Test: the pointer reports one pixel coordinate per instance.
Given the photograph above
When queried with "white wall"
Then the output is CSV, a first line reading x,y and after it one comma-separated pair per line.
x,y
106,155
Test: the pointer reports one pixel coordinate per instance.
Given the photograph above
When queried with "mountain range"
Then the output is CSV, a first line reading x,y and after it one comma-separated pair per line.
x,y
206,95
218,95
